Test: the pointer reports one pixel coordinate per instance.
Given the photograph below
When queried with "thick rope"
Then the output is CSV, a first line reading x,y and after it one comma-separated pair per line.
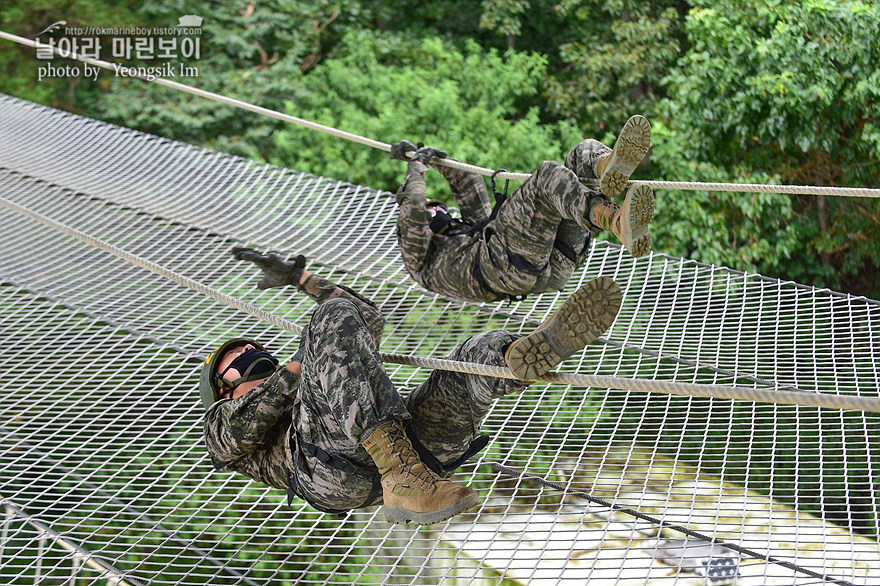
x,y
107,571
763,188
693,186
843,402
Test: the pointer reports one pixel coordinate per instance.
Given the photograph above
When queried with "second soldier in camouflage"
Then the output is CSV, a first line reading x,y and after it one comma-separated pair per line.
x,y
538,236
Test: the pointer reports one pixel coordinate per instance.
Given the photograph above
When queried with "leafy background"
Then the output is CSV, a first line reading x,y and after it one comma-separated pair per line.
x,y
747,91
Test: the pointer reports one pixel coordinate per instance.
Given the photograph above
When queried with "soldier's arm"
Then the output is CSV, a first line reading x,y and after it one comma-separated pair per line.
x,y
237,427
469,190
280,273
413,231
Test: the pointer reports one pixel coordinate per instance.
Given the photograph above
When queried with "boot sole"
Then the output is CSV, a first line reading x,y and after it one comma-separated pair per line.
x,y
638,211
584,316
400,514
629,149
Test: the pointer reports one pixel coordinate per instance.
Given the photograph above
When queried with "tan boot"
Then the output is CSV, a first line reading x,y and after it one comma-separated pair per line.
x,y
631,146
410,490
630,221
581,319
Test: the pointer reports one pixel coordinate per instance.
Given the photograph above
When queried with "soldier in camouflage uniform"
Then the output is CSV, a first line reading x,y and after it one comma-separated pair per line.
x,y
541,232
331,428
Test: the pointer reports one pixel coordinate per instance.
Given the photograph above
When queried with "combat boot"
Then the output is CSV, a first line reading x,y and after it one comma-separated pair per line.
x,y
613,169
581,319
410,490
628,222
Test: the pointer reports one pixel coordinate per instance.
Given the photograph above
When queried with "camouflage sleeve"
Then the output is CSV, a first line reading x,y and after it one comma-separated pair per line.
x,y
321,290
470,192
413,231
235,428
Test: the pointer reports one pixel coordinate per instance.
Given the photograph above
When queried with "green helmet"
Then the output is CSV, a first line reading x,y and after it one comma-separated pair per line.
x,y
210,383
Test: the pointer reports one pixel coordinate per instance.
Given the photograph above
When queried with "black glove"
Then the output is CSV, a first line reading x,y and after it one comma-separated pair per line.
x,y
425,153
399,150
277,272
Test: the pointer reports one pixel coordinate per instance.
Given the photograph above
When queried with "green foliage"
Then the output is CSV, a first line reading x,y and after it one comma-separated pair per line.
x,y
613,64
693,223
257,35
605,59
806,72
786,91
464,101
18,64
505,17
255,53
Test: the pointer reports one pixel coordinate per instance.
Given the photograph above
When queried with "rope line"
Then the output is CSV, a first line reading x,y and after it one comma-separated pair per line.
x,y
107,571
512,472
189,546
682,185
785,397
763,188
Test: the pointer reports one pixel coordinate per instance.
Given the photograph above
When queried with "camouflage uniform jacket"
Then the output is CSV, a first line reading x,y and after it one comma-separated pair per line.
x,y
443,263
252,434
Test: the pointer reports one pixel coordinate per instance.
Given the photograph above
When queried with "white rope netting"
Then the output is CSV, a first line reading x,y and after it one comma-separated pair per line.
x,y
105,478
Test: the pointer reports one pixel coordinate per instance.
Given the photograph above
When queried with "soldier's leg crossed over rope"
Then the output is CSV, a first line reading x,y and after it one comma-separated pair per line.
x,y
596,164
572,239
581,159
610,169
449,407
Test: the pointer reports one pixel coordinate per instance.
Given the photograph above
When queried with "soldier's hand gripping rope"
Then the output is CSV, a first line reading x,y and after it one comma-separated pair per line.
x,y
421,153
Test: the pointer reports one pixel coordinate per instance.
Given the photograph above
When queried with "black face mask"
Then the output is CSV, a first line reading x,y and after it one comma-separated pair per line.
x,y
253,364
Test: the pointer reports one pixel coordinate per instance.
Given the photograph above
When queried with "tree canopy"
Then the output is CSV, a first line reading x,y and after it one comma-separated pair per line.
x,y
758,91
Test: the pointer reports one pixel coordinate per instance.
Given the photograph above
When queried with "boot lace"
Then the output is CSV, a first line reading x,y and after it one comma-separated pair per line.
x,y
410,463
608,214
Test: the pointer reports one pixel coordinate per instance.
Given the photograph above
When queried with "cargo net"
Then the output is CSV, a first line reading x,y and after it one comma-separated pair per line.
x,y
104,476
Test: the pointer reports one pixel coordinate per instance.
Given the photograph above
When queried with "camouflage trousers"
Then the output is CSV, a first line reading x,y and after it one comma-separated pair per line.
x,y
542,231
345,394
321,290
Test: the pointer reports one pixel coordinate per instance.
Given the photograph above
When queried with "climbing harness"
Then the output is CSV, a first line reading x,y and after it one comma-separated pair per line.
x,y
500,198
